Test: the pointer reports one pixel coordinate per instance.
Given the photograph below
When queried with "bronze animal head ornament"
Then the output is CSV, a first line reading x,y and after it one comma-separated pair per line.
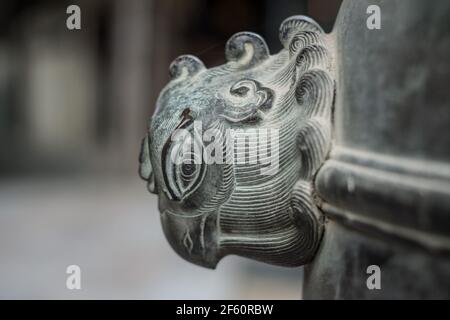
x,y
257,130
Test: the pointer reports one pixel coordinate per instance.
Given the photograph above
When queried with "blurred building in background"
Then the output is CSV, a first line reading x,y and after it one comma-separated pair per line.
x,y
74,105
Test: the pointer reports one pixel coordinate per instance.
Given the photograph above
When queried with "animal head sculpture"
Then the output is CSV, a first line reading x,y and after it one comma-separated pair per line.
x,y
256,129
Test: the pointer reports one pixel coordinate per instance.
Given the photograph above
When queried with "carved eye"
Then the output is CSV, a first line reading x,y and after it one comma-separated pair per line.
x,y
184,167
187,171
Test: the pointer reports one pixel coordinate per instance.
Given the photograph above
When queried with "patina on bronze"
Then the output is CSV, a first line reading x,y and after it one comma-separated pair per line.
x,y
364,172
386,183
209,211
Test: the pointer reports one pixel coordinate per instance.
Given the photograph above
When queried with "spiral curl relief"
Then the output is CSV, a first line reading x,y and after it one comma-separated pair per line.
x,y
246,47
314,95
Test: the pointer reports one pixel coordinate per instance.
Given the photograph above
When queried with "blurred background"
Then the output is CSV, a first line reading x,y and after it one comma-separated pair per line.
x,y
73,108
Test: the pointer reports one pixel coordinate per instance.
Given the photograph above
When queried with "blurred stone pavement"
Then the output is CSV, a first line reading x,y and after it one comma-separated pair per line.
x,y
110,228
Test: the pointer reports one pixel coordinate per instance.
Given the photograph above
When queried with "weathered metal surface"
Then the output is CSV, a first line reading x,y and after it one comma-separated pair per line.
x,y
258,210
364,157
386,184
